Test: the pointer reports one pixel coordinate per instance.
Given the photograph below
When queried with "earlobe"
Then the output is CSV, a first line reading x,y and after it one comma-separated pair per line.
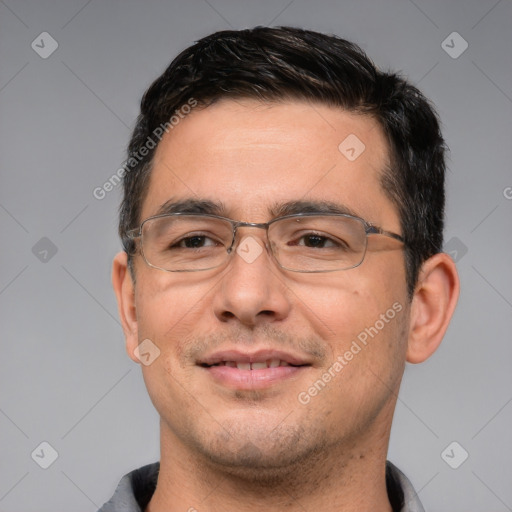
x,y
125,293
434,301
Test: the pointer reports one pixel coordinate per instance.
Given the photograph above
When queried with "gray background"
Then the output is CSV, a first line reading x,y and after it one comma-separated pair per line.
x,y
65,120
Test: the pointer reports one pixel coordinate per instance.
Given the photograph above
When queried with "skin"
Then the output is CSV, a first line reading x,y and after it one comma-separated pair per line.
x,y
224,449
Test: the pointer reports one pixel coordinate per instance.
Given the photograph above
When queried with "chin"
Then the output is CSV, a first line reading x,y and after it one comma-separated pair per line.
x,y
264,453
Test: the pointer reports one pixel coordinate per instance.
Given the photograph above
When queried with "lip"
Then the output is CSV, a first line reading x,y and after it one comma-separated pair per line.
x,y
258,356
247,379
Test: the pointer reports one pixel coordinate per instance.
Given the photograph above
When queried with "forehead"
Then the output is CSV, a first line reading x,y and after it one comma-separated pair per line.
x,y
252,156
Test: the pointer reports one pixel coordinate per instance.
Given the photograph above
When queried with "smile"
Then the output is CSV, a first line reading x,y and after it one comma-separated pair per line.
x,y
257,370
269,363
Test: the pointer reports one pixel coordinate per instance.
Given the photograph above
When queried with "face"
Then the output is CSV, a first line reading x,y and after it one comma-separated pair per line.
x,y
337,340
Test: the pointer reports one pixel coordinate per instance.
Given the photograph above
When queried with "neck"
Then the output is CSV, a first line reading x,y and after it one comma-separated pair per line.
x,y
338,478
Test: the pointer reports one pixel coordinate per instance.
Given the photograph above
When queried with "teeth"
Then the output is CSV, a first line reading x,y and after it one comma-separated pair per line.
x,y
271,363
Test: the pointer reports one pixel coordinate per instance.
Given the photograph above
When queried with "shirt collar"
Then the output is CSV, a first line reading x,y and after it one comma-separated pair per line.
x,y
136,488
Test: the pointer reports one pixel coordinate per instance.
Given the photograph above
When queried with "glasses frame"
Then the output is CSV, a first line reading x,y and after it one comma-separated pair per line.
x,y
370,229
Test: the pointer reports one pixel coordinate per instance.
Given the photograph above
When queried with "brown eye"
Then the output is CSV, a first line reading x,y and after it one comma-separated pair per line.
x,y
194,242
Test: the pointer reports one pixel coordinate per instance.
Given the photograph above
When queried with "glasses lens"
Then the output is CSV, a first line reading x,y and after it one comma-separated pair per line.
x,y
318,243
186,243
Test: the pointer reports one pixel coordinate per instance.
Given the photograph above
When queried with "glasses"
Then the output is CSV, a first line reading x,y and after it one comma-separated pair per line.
x,y
303,242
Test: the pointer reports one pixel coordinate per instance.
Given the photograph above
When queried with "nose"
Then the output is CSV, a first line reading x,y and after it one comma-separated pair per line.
x,y
252,289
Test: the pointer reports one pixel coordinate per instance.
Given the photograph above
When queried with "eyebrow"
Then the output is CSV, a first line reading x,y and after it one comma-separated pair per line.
x,y
311,206
199,206
211,207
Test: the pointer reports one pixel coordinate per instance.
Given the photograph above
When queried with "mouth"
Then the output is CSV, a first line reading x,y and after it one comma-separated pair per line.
x,y
256,365
257,370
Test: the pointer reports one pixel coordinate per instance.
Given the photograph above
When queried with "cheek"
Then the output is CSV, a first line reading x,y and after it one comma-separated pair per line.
x,y
367,364
342,306
169,309
365,315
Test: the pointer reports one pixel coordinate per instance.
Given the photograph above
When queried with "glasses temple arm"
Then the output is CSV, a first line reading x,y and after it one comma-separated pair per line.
x,y
374,230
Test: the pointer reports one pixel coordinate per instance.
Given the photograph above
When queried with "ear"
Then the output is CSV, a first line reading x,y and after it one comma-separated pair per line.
x,y
434,301
125,293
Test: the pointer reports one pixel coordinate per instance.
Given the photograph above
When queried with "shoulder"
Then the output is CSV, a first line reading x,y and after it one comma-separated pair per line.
x,y
402,496
134,490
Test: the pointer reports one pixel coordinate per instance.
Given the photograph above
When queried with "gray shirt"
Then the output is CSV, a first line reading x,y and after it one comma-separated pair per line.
x,y
136,488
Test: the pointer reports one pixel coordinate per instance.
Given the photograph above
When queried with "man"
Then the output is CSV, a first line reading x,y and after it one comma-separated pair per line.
x,y
282,226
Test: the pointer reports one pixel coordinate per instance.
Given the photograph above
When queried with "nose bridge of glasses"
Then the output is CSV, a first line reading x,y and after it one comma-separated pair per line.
x,y
240,224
